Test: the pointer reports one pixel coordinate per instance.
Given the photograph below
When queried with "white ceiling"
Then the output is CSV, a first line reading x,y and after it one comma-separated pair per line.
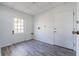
x,y
32,8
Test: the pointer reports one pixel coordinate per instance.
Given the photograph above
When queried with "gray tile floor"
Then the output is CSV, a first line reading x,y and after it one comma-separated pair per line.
x,y
36,48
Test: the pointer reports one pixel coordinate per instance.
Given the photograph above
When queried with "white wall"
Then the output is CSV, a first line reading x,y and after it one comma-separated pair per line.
x,y
7,16
46,22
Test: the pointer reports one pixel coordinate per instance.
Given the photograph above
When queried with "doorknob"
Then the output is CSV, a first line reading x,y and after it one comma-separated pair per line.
x,y
75,32
13,32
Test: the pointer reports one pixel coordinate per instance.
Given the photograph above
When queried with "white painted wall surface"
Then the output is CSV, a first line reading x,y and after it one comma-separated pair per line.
x,y
46,24
7,16
48,21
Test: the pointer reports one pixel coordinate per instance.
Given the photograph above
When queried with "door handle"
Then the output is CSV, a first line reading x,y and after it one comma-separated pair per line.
x,y
13,32
75,32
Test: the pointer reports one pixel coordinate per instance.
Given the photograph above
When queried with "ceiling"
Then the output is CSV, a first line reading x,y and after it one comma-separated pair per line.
x,y
32,8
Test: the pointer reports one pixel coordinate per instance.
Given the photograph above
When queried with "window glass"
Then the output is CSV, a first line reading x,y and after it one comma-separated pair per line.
x,y
18,25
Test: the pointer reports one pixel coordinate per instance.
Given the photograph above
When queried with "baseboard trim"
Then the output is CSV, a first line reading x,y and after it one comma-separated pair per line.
x,y
57,45
22,41
14,43
64,47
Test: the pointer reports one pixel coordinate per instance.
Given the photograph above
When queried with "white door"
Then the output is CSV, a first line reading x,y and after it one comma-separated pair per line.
x,y
18,30
64,26
77,35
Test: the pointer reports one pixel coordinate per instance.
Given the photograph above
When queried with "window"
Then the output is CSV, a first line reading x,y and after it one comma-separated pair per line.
x,y
18,25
